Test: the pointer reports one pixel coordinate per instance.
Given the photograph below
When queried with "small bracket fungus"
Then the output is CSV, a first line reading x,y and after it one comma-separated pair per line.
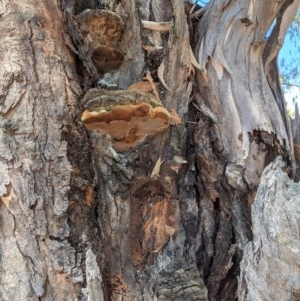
x,y
126,116
102,30
107,58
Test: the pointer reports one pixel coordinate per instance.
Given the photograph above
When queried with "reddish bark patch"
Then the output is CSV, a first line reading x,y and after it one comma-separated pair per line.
x,y
154,218
119,289
297,151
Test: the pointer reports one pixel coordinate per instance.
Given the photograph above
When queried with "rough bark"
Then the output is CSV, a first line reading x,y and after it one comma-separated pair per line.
x,y
167,219
243,124
271,264
136,213
44,223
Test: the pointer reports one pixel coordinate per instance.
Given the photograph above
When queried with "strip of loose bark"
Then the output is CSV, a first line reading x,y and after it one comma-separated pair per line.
x,y
158,26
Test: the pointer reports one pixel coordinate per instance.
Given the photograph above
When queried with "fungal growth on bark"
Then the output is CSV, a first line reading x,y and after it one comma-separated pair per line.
x,y
127,116
102,31
107,58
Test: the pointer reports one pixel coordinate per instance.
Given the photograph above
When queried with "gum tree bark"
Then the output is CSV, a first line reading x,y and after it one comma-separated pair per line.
x,y
42,195
271,264
239,83
168,218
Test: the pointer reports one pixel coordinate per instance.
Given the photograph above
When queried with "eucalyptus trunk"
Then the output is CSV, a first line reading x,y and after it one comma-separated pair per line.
x,y
163,213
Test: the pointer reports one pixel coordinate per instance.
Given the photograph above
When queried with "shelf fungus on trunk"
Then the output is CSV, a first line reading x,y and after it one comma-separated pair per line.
x,y
127,116
107,58
102,30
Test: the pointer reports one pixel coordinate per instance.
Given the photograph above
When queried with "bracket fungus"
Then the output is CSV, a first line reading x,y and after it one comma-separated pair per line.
x,y
102,30
107,58
127,116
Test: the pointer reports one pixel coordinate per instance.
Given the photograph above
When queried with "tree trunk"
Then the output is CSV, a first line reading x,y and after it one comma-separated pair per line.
x,y
45,225
270,267
165,215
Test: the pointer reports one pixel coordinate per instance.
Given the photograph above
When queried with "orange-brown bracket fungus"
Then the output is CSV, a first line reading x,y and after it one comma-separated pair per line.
x,y
107,58
102,30
126,116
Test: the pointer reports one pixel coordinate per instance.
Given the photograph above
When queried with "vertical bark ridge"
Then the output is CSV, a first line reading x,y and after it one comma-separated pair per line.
x,y
37,102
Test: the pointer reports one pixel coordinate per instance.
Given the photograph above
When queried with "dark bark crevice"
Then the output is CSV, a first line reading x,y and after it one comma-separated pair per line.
x,y
213,202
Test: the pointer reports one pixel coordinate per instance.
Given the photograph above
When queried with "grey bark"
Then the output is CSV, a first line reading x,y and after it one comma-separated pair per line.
x,y
295,125
271,264
38,190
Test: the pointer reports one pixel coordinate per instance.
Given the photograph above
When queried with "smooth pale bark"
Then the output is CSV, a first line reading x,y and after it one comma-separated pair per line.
x,y
236,57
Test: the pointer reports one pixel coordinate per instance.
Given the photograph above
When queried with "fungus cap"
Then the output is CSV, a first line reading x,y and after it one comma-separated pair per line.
x,y
127,121
100,27
107,58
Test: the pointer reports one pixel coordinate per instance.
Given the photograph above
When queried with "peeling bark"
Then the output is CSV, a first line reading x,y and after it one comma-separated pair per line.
x,y
166,219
